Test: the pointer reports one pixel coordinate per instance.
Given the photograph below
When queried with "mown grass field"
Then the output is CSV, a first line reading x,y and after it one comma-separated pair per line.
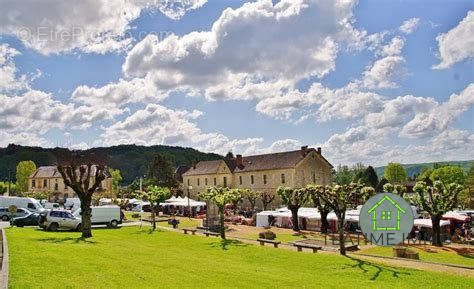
x,y
445,255
136,258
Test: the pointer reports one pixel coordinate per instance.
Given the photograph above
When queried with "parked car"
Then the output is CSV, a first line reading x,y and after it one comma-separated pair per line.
x,y
50,206
104,215
32,219
5,214
57,219
27,203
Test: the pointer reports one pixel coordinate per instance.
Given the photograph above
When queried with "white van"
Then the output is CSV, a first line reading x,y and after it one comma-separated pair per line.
x,y
30,204
104,215
72,204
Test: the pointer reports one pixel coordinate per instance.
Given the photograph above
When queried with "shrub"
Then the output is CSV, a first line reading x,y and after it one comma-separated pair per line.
x,y
269,235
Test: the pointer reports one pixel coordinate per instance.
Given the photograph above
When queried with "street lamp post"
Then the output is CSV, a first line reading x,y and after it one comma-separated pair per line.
x,y
9,183
189,205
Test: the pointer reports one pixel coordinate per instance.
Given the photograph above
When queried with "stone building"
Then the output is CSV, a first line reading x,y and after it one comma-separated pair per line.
x,y
48,179
263,173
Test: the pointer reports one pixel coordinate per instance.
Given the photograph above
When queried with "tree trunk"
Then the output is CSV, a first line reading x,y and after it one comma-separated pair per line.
x,y
294,217
153,217
264,205
436,238
86,213
222,226
324,221
340,226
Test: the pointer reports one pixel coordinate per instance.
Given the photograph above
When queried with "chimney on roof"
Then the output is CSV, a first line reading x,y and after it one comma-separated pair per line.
x,y
304,150
319,150
238,161
194,165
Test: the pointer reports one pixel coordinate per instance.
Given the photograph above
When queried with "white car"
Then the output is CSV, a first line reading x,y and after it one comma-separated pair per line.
x,y
57,219
51,206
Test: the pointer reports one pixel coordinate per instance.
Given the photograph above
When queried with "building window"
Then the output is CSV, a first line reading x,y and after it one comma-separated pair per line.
x,y
198,182
56,187
65,187
33,183
215,182
314,177
264,179
205,181
240,179
225,181
251,179
282,178
45,183
189,182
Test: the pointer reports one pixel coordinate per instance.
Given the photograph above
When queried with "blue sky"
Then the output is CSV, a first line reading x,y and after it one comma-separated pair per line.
x,y
370,82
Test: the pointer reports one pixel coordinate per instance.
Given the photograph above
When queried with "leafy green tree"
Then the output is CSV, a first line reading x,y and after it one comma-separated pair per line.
x,y
155,195
470,188
315,192
116,179
368,177
340,198
160,172
39,195
267,199
251,196
425,174
449,174
24,170
220,197
293,199
395,173
343,175
437,200
395,189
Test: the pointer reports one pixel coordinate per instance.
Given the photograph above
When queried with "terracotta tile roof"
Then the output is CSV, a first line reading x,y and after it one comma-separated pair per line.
x,y
203,168
52,172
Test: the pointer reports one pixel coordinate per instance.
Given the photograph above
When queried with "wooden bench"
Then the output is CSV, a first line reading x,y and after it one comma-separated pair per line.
x,y
300,247
263,241
207,233
193,231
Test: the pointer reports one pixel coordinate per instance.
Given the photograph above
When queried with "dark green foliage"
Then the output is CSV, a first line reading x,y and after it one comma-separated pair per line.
x,y
367,177
160,171
131,160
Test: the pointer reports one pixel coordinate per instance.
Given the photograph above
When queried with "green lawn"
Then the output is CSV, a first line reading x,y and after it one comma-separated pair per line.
x,y
439,255
135,258
183,222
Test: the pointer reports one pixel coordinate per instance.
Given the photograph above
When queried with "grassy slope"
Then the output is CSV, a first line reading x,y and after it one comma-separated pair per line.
x,y
133,258
442,255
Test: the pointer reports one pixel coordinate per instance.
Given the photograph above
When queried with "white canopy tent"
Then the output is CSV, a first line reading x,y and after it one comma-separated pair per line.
x,y
283,216
426,223
182,202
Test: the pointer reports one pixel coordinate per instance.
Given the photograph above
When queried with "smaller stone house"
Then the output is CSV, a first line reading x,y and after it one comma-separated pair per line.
x,y
48,179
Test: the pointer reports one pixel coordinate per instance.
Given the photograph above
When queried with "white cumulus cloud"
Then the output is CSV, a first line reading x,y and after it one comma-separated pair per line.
x,y
457,44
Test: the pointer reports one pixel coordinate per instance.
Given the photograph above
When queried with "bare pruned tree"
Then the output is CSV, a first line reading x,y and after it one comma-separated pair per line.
x,y
83,172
